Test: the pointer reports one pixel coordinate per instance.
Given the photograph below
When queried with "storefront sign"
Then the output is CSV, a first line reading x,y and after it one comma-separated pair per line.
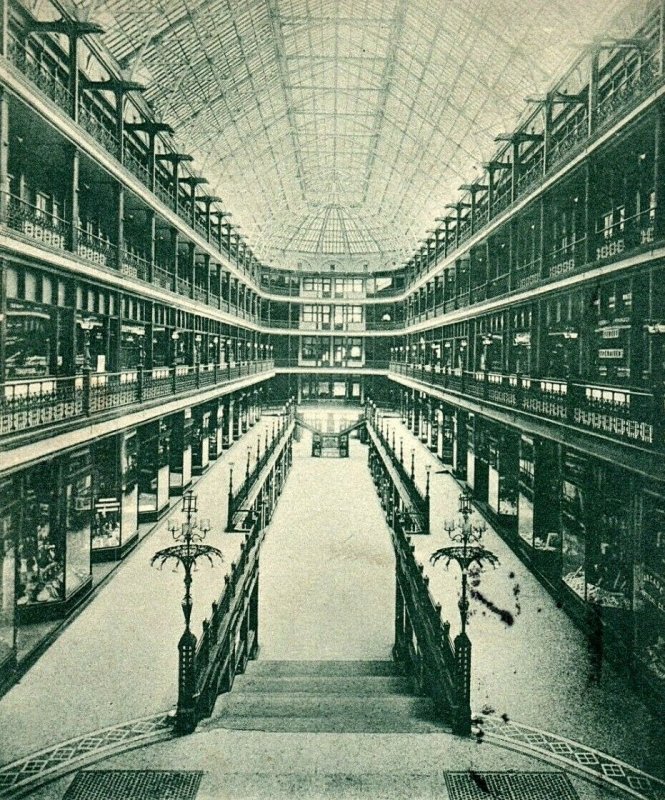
x,y
614,352
653,589
610,333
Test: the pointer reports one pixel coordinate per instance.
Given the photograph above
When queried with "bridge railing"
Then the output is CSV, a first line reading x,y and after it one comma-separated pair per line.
x,y
423,646
237,496
416,507
230,636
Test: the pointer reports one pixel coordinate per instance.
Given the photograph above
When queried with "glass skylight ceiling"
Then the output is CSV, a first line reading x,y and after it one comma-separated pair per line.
x,y
342,127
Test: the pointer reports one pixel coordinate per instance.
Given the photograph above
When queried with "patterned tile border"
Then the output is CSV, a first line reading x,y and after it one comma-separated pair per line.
x,y
26,774
590,763
54,762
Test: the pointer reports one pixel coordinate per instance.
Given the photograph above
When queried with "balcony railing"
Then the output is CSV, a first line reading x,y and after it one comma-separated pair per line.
x,y
35,403
49,79
36,223
628,415
99,129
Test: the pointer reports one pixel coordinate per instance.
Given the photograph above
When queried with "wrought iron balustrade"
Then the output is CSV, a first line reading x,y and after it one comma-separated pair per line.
x,y
36,223
99,129
96,249
134,265
237,496
527,275
498,285
136,166
48,78
629,415
566,258
162,277
30,404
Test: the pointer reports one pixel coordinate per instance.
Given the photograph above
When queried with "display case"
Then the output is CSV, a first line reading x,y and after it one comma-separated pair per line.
x,y
574,521
40,574
216,431
650,611
180,458
526,490
77,518
200,440
54,545
153,469
609,550
115,513
10,524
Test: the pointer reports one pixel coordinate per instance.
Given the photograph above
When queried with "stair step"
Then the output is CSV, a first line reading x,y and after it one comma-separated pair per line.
x,y
279,669
317,724
304,704
360,685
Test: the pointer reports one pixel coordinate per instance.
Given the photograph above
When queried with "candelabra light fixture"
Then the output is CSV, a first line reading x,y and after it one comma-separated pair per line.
x,y
189,548
465,550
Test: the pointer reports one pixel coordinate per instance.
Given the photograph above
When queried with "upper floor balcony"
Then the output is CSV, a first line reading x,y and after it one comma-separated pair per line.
x,y
27,405
49,229
627,415
48,75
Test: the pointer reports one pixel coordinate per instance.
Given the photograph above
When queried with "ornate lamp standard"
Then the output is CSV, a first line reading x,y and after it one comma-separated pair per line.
x,y
465,551
187,551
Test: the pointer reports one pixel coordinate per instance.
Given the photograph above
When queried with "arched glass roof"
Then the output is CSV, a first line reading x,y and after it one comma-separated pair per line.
x,y
342,127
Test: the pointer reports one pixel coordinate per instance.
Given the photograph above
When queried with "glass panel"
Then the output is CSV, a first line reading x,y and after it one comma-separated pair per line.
x,y
573,517
9,521
651,613
41,567
28,342
610,556
526,490
78,494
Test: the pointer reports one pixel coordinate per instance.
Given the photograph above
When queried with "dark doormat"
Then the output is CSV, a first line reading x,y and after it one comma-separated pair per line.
x,y
134,785
509,786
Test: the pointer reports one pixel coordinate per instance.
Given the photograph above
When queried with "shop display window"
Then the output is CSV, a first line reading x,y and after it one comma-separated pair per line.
x,y
129,467
29,340
609,551
526,490
106,520
10,509
651,610
153,466
41,546
574,500
77,521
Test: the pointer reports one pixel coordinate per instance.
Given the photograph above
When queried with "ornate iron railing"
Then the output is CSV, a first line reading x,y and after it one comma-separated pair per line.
x,y
629,415
423,647
34,403
230,633
237,496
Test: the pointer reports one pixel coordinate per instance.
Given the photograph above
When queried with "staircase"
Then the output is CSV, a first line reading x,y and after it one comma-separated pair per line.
x,y
324,697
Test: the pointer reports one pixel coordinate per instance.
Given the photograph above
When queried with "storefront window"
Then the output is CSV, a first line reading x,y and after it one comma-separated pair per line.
x,y
41,553
129,467
78,514
9,525
29,340
106,524
651,613
526,490
573,517
609,553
